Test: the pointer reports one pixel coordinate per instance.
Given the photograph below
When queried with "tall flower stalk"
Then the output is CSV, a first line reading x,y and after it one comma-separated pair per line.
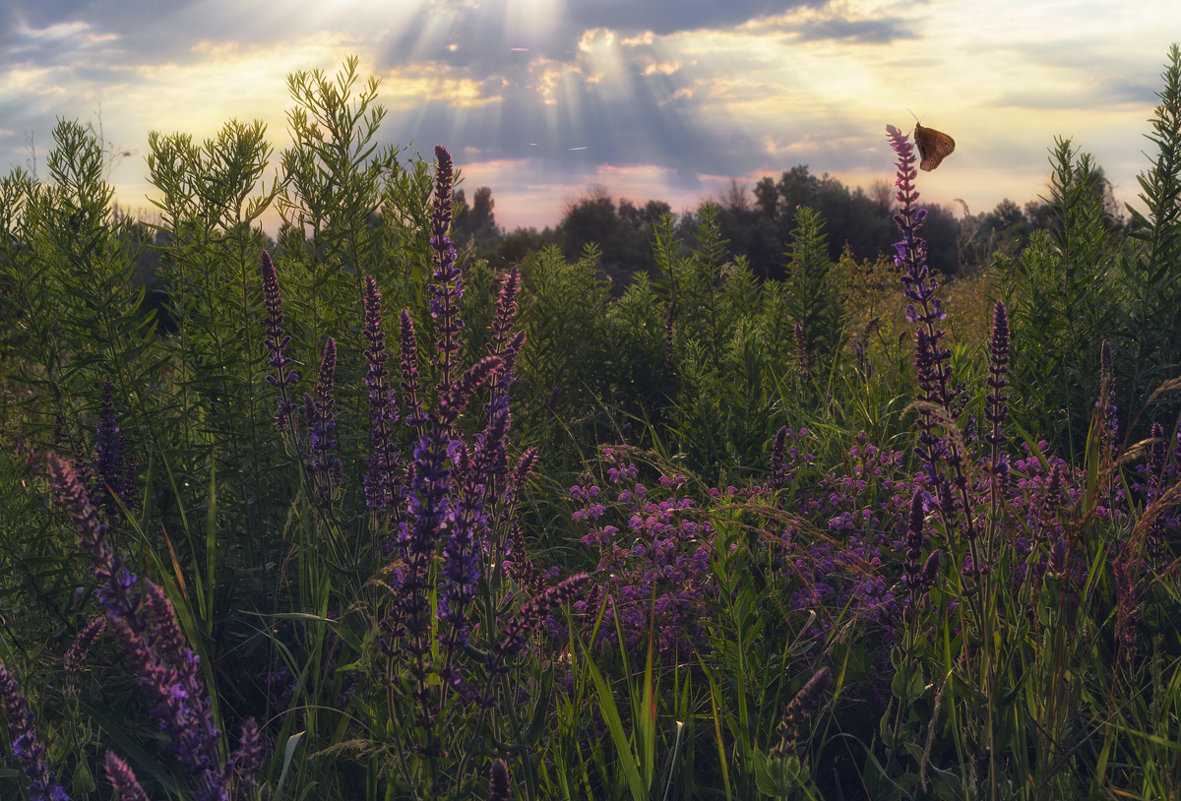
x,y
151,643
938,401
446,287
26,745
996,412
276,342
942,450
114,466
381,479
324,466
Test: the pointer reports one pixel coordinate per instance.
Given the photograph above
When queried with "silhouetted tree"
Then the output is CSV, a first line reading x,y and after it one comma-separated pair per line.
x,y
623,233
475,224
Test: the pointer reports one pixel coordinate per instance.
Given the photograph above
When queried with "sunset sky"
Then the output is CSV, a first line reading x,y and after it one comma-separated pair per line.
x,y
542,99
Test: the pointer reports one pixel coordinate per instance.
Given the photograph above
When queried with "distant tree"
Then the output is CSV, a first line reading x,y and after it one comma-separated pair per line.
x,y
767,197
750,230
797,187
517,246
735,198
1005,231
882,193
475,223
623,233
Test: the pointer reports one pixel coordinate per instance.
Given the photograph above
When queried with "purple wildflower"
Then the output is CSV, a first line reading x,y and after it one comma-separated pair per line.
x,y
799,710
122,778
82,644
381,479
170,676
801,350
406,631
491,457
654,560
460,392
411,388
276,341
996,411
530,616
26,746
462,551
468,526
1058,557
778,464
115,582
506,310
864,366
324,465
912,570
114,467
150,641
939,401
446,286
247,760
498,789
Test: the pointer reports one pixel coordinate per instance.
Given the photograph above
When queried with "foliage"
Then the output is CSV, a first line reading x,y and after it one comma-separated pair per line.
x,y
368,515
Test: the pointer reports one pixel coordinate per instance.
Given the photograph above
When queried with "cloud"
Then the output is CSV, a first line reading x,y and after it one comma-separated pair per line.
x,y
501,35
689,15
131,28
864,31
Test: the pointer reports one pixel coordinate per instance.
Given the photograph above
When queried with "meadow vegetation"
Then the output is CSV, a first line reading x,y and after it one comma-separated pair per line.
x,y
365,512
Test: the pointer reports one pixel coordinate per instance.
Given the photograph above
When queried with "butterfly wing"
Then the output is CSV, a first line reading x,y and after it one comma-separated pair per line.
x,y
934,146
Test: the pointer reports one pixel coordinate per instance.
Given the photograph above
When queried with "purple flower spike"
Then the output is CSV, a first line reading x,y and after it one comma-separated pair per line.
x,y
931,568
444,175
381,480
939,401
115,582
247,760
996,410
26,746
324,465
912,570
114,468
144,626
670,316
446,287
411,388
1108,418
122,778
534,613
779,477
498,781
506,310
799,710
276,341
801,349
80,649
476,376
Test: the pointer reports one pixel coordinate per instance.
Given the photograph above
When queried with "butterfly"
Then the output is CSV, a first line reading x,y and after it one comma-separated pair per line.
x,y
934,146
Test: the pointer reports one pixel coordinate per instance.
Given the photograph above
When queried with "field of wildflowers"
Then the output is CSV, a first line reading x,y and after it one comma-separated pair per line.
x,y
701,537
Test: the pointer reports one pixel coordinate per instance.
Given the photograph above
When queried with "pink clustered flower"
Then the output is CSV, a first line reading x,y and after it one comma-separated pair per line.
x,y
654,559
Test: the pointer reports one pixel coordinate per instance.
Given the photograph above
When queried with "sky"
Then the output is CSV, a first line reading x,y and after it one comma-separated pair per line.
x,y
545,100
